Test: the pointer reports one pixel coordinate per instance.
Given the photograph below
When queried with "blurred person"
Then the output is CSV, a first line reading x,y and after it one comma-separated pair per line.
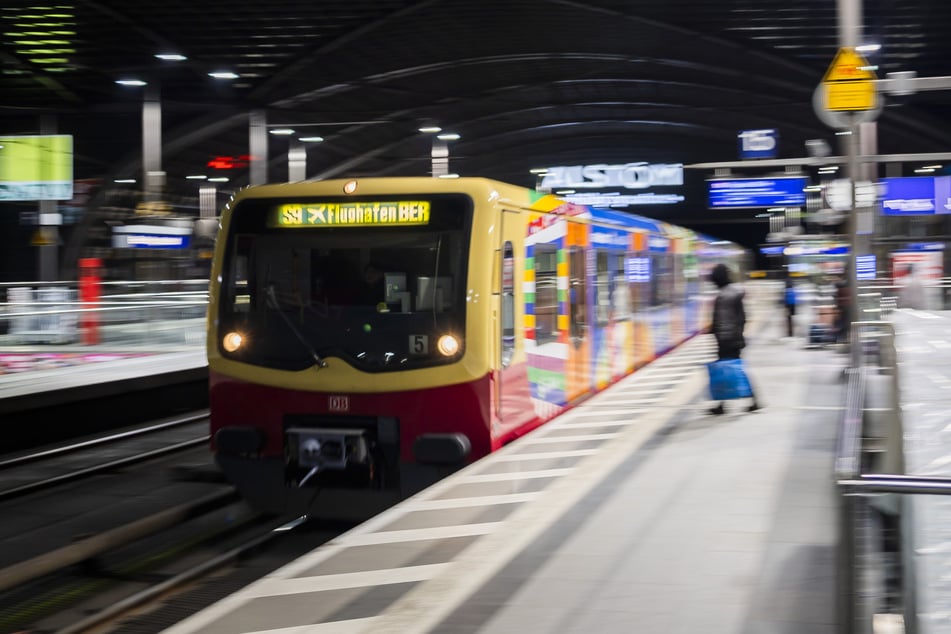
x,y
843,309
912,292
789,302
373,290
729,322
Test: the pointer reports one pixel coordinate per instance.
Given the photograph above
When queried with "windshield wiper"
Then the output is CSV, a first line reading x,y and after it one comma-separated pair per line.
x,y
272,299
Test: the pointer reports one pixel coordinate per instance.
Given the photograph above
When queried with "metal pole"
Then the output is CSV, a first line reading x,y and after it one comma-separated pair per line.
x,y
850,26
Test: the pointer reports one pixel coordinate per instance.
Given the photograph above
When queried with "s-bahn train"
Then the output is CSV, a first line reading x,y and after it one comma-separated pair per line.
x,y
367,337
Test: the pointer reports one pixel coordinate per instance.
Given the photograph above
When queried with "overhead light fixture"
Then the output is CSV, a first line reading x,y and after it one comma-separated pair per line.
x,y
281,131
430,129
931,167
196,177
449,136
218,179
868,48
311,139
124,181
171,57
130,82
223,74
924,170
448,176
541,171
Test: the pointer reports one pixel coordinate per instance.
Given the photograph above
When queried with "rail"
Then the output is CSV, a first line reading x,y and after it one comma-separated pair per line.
x,y
877,557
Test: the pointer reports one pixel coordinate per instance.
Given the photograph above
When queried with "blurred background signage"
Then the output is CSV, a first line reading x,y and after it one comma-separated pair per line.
x,y
758,144
742,193
628,176
36,167
916,195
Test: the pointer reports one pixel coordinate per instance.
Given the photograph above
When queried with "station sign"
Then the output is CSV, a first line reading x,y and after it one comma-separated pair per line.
x,y
748,193
151,237
758,144
916,195
639,175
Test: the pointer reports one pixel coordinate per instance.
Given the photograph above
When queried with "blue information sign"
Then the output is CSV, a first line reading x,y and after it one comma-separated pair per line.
x,y
740,193
865,267
758,144
916,195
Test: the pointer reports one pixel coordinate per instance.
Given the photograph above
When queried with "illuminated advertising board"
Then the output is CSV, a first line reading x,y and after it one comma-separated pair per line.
x,y
36,167
746,193
395,213
916,195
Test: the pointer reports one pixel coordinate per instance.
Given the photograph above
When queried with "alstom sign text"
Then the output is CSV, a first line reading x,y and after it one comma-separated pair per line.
x,y
630,176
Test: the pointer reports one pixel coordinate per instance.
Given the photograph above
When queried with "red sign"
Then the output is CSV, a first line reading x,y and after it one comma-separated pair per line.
x,y
229,162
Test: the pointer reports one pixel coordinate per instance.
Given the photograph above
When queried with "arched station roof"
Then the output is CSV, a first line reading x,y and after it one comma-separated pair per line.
x,y
525,83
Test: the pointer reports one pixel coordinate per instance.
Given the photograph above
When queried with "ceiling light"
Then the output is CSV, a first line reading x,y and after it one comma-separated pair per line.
x,y
171,57
448,176
223,74
124,180
130,82
538,170
196,177
868,48
450,136
218,179
311,139
281,131
430,129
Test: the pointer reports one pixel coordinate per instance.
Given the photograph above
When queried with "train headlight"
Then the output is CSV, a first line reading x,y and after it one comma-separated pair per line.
x,y
447,345
232,341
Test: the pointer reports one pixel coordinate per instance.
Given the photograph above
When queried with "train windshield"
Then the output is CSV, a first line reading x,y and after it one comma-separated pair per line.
x,y
378,283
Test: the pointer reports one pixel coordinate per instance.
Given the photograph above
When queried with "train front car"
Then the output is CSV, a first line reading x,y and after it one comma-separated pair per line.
x,y
344,374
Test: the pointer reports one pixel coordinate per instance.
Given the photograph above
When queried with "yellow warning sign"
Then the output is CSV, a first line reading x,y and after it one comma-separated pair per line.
x,y
849,65
849,82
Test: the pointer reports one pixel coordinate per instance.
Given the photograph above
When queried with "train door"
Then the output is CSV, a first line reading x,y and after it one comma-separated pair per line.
x,y
580,376
512,390
639,277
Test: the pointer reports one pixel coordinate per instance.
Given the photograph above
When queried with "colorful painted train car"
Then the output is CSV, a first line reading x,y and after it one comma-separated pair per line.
x,y
367,337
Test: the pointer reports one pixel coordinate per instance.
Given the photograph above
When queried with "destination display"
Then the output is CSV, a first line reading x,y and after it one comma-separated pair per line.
x,y
350,214
916,195
744,193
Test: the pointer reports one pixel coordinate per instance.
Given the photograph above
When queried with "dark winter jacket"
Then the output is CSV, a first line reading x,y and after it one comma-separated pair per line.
x,y
729,319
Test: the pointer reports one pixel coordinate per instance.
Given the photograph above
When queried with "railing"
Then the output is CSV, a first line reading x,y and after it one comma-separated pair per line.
x,y
877,582
126,313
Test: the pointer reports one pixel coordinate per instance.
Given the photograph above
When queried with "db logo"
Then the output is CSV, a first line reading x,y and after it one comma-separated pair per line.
x,y
339,404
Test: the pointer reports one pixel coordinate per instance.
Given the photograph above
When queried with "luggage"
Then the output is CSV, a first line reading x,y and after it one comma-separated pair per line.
x,y
820,335
728,380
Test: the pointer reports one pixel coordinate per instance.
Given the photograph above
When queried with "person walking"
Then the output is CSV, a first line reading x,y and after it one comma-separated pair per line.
x,y
789,301
729,322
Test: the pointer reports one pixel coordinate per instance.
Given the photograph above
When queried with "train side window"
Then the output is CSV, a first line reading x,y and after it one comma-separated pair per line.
x,y
508,304
602,289
621,294
546,294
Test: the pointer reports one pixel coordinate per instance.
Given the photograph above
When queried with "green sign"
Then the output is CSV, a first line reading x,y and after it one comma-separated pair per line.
x,y
36,167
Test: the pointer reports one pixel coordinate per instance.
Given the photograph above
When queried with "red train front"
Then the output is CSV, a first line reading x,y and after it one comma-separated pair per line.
x,y
342,377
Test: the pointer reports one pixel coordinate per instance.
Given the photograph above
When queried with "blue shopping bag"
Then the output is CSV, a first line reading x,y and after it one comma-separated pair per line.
x,y
728,380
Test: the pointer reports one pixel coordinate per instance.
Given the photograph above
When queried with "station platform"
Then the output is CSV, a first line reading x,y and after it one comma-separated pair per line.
x,y
635,512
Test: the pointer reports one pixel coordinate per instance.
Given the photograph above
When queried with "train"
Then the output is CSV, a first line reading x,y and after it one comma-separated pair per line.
x,y
367,337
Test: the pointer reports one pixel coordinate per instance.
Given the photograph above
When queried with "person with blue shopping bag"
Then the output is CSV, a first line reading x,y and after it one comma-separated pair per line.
x,y
729,322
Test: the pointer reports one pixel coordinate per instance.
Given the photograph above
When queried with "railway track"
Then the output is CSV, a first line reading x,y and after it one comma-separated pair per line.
x,y
135,518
